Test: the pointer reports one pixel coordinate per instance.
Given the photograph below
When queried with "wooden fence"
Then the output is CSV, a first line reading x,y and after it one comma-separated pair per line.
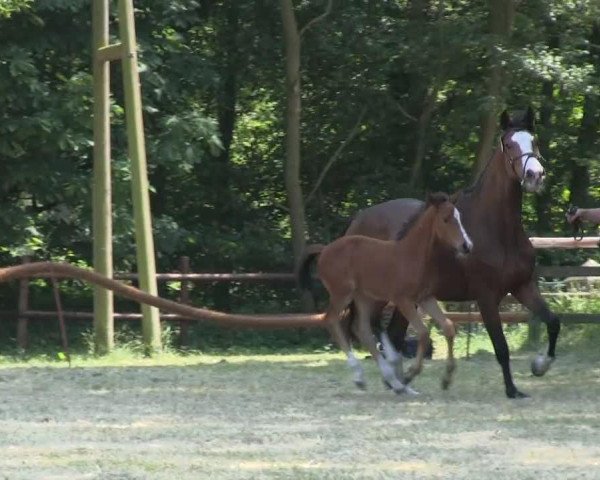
x,y
186,277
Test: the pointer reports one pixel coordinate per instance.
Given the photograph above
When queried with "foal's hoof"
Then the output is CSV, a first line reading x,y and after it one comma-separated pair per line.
x,y
387,385
360,384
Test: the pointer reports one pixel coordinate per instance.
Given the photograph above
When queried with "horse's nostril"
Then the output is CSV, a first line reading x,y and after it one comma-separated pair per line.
x,y
529,174
466,247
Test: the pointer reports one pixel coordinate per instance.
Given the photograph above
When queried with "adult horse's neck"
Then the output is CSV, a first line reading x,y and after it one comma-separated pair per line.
x,y
496,199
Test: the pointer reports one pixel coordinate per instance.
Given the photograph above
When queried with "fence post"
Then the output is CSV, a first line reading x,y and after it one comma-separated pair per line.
x,y
23,306
184,297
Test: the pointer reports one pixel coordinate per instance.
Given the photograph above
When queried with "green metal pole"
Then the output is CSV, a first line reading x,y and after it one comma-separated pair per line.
x,y
139,174
101,203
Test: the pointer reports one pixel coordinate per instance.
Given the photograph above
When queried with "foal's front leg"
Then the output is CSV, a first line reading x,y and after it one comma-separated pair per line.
x,y
431,307
409,310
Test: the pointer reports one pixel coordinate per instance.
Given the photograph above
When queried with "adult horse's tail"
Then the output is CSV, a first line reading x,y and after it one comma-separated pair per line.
x,y
303,272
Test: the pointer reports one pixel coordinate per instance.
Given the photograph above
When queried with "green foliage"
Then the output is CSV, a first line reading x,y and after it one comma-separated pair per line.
x,y
214,100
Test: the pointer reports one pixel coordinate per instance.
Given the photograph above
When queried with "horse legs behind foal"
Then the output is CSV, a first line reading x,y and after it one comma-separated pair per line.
x,y
431,307
364,310
333,321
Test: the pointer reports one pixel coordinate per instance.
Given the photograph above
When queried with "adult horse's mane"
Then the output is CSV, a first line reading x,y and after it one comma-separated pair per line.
x,y
432,199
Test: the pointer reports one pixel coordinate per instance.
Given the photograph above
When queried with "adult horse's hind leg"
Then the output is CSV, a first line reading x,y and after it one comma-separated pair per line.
x,y
364,310
529,295
431,307
332,318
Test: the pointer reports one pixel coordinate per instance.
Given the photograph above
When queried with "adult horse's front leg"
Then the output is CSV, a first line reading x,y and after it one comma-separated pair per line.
x,y
493,324
529,295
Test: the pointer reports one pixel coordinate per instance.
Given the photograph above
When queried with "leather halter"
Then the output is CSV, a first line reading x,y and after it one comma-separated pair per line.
x,y
512,160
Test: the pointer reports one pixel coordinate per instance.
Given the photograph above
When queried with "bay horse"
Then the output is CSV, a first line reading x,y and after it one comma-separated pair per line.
x,y
366,271
503,258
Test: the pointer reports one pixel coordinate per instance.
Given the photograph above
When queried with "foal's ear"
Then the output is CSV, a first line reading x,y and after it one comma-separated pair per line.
x,y
530,119
504,120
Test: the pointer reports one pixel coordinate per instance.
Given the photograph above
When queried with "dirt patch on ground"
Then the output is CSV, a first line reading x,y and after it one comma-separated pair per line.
x,y
295,418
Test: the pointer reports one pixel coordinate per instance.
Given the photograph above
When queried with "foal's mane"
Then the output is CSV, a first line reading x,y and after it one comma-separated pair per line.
x,y
432,199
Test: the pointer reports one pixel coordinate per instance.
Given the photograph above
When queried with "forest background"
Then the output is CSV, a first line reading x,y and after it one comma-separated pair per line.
x,y
396,98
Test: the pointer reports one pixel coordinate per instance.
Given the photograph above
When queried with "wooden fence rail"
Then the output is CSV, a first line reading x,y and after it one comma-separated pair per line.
x,y
24,312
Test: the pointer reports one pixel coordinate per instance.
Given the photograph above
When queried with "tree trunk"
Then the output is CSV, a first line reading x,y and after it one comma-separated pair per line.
x,y
588,134
291,37
226,106
543,200
416,178
502,14
579,184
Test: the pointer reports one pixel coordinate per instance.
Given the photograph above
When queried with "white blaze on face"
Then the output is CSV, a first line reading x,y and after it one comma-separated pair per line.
x,y
465,236
525,141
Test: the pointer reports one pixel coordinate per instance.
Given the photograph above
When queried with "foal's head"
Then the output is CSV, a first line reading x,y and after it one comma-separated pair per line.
x,y
447,226
520,149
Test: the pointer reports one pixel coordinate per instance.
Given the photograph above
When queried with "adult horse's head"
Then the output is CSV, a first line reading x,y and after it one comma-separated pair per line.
x,y
447,224
520,149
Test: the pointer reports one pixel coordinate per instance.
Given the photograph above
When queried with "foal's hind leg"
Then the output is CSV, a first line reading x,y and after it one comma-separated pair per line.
x,y
431,307
410,312
364,308
333,321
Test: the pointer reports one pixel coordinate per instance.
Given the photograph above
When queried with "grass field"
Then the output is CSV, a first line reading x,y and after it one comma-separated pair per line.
x,y
295,416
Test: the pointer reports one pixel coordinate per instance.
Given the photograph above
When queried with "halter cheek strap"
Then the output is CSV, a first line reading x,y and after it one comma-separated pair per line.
x,y
511,160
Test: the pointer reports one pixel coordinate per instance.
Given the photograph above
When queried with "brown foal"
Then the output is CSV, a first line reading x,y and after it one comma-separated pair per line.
x,y
367,271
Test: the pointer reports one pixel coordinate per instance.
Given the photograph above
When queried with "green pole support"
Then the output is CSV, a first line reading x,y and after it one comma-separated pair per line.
x,y
101,190
139,175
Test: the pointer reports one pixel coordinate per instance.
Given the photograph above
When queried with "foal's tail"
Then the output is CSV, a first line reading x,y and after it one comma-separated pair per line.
x,y
311,252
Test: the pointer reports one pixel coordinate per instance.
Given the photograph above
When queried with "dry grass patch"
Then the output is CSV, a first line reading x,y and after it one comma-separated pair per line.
x,y
295,417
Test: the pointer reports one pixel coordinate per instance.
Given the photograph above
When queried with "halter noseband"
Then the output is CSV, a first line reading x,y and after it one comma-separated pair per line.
x,y
512,160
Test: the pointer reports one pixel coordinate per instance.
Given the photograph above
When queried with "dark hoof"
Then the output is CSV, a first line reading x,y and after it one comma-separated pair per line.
x,y
446,382
387,384
516,394
360,385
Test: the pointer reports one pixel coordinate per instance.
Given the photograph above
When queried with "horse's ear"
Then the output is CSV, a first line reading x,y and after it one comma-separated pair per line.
x,y
530,119
504,120
436,199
